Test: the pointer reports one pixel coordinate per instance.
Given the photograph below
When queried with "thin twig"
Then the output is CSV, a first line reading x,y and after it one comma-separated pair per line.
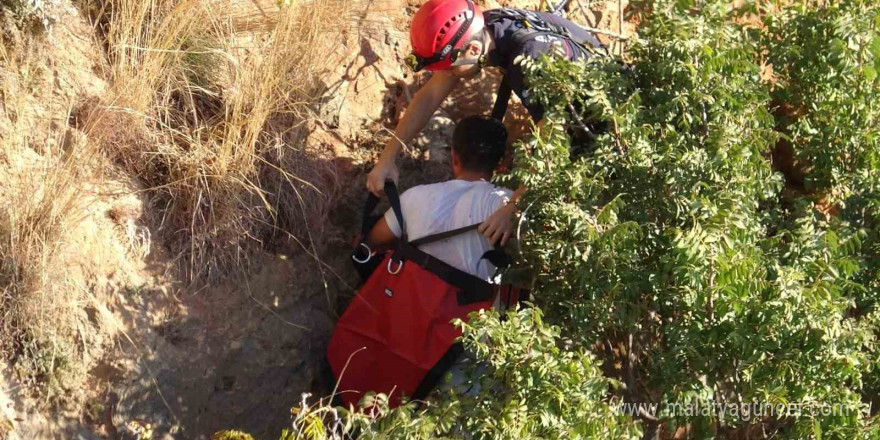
x,y
630,382
269,309
580,121
711,289
621,148
645,415
620,22
584,14
404,146
522,220
342,373
606,32
260,8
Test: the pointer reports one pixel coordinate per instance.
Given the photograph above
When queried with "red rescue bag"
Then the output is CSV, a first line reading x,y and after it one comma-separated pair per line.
x,y
396,337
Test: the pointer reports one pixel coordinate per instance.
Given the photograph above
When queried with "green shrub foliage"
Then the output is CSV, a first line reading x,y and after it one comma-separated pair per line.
x,y
827,95
529,388
673,237
825,62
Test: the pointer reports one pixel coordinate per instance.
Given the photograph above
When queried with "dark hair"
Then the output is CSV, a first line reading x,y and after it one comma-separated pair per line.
x,y
479,142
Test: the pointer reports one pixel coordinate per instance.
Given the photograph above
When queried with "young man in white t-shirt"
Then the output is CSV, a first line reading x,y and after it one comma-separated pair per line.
x,y
478,145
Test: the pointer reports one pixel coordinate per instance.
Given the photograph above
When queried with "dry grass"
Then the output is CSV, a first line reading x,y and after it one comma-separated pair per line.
x,y
39,323
212,119
42,199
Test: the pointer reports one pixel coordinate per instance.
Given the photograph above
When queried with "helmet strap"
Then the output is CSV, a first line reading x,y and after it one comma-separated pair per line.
x,y
481,60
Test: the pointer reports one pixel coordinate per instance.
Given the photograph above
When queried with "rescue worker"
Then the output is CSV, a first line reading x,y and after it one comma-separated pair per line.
x,y
454,39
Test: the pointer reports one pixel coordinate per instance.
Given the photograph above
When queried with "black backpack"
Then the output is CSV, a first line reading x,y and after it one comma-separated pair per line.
x,y
533,26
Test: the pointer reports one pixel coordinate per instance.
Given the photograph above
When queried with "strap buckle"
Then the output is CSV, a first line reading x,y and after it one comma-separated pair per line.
x,y
415,62
369,254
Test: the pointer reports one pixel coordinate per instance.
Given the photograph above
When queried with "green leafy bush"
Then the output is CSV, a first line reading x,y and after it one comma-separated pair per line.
x,y
826,63
530,389
827,91
671,240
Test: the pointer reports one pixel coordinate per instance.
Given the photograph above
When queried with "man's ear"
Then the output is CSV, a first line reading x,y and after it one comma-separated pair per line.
x,y
456,162
475,48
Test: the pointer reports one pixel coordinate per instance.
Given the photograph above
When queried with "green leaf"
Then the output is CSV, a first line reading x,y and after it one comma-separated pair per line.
x,y
869,72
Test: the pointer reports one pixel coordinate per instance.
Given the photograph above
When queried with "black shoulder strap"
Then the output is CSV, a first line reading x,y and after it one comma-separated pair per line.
x,y
371,204
443,235
533,27
497,256
502,99
394,199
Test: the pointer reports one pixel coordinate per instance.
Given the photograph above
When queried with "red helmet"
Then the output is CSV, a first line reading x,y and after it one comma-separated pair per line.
x,y
439,30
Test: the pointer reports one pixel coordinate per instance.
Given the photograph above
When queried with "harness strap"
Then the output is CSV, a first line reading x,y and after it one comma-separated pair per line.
x,y
371,204
472,289
443,235
394,199
436,373
502,100
497,256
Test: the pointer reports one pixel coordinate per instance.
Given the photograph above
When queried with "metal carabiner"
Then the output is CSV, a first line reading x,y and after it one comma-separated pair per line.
x,y
369,254
399,267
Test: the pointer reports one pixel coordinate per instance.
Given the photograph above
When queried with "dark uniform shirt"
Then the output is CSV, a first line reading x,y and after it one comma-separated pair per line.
x,y
507,49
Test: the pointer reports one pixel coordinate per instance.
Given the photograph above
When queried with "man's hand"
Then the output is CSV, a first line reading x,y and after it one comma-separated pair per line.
x,y
382,171
499,226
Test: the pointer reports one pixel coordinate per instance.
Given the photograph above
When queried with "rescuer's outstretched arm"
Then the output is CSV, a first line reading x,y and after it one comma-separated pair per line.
x,y
417,115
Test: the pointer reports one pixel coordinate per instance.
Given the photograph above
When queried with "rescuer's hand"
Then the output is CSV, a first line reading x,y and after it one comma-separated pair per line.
x,y
383,171
499,226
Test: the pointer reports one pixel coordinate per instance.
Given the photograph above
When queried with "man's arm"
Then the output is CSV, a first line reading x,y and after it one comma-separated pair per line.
x,y
380,237
426,101
499,226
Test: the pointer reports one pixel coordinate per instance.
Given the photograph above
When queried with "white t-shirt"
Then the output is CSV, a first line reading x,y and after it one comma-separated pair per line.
x,y
441,207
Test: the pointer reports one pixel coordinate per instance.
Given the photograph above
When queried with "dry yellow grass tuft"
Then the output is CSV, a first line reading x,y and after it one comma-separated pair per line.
x,y
42,199
212,119
38,320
